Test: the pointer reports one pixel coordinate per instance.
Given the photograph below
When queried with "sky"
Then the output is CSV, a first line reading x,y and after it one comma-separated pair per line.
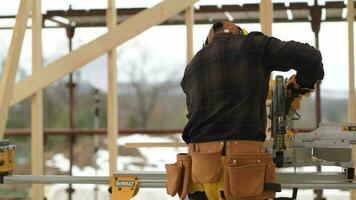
x,y
166,45
12,6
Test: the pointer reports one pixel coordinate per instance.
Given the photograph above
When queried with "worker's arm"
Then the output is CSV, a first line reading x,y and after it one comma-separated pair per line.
x,y
283,56
183,85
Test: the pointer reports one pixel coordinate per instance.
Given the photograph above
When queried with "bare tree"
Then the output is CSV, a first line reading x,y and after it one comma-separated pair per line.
x,y
148,79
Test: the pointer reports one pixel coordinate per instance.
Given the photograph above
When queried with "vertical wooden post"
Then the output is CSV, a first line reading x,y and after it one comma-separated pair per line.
x,y
12,62
315,13
37,102
189,21
266,16
112,101
266,20
352,97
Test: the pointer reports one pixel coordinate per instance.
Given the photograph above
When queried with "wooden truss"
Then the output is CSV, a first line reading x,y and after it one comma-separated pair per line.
x,y
32,86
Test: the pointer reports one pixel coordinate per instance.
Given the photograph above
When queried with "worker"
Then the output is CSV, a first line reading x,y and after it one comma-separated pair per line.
x,y
226,86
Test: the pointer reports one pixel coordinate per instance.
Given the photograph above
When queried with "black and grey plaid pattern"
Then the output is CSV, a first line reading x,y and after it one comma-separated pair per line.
x,y
226,84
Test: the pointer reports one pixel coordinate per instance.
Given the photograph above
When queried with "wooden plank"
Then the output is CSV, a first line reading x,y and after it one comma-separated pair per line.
x,y
189,21
108,41
37,103
112,101
11,63
266,16
267,144
155,144
266,20
352,97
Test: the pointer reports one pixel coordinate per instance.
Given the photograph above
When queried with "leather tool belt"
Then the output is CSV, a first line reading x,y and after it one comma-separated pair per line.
x,y
248,172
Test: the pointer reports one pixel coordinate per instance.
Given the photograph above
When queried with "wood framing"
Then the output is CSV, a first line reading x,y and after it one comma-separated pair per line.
x,y
155,144
352,97
112,107
79,57
12,61
266,20
37,102
266,16
189,21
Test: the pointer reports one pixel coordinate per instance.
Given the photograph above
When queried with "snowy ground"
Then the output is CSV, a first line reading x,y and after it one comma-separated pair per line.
x,y
155,158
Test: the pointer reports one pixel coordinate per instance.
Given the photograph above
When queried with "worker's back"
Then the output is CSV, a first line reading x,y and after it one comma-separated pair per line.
x,y
226,86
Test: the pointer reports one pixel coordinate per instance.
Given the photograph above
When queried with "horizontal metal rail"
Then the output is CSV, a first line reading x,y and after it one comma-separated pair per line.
x,y
319,180
49,179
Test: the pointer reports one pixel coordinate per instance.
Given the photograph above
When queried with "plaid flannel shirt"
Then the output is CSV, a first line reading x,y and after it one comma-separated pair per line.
x,y
226,84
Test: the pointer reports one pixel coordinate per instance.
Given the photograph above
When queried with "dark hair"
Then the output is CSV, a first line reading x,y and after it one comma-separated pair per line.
x,y
218,26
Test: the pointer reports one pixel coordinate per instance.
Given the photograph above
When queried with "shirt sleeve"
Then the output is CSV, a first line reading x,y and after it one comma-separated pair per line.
x,y
183,85
283,56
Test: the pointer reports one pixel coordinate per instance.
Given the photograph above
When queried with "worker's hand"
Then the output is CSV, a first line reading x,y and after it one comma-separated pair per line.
x,y
292,83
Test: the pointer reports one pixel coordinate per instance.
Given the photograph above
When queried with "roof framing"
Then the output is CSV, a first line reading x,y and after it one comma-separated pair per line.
x,y
246,13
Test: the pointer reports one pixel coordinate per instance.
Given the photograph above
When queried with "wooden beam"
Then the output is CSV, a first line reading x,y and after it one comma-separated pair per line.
x,y
108,41
352,96
155,144
37,102
11,63
266,144
112,108
189,21
266,16
266,20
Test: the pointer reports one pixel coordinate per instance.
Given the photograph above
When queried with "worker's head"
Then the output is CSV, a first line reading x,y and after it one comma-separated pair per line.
x,y
224,27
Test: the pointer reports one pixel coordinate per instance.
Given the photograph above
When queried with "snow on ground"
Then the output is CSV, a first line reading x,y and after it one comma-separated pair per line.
x,y
82,192
154,159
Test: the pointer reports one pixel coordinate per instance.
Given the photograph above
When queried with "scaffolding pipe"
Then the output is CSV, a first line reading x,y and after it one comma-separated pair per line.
x,y
96,138
71,85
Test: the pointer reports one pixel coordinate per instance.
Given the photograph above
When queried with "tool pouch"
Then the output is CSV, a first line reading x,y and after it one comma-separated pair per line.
x,y
206,167
246,175
179,175
174,176
186,174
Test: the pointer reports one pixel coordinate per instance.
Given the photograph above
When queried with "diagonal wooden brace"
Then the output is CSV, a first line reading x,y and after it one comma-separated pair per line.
x,y
12,61
108,41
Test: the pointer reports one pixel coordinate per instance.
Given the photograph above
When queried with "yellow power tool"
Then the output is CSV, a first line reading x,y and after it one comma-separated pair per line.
x,y
7,157
123,187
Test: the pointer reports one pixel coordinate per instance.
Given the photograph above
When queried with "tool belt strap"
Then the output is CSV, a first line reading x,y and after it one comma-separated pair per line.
x,y
231,146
